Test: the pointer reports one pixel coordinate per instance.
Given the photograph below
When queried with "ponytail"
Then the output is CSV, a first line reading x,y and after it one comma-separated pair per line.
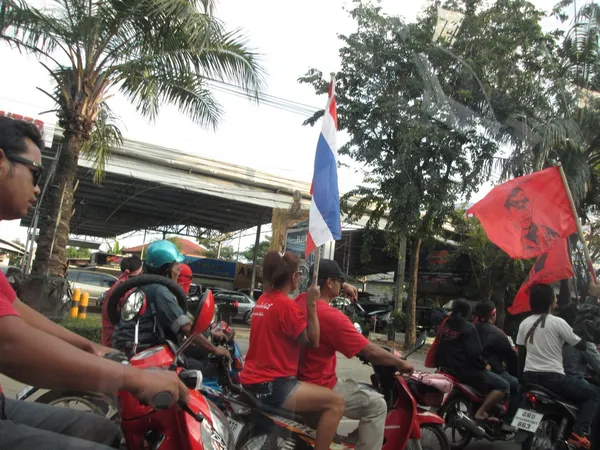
x,y
278,269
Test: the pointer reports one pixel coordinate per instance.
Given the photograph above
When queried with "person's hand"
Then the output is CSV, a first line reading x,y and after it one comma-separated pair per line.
x,y
100,350
222,351
218,334
312,295
488,367
149,383
406,367
594,289
350,291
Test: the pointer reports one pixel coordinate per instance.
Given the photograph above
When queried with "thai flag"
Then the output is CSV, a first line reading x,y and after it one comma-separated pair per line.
x,y
324,224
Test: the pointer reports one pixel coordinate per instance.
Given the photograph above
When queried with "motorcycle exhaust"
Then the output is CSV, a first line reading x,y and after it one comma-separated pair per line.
x,y
467,423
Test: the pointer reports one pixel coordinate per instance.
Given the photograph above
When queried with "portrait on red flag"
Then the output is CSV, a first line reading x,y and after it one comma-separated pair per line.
x,y
526,216
552,266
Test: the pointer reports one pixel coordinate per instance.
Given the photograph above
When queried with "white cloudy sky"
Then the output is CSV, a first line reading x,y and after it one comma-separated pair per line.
x,y
291,36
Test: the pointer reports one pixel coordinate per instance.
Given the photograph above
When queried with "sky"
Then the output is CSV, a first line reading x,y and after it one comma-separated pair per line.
x,y
290,36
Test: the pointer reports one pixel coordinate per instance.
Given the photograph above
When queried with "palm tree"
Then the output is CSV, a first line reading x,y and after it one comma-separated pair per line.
x,y
151,51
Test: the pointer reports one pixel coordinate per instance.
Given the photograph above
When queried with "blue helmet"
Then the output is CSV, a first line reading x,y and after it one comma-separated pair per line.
x,y
160,253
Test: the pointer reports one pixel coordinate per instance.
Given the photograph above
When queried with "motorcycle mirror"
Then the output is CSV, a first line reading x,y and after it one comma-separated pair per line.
x,y
206,313
421,340
134,305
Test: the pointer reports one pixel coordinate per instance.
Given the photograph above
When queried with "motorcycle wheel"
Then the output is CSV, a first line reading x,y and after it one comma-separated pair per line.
x,y
450,410
545,436
432,438
94,403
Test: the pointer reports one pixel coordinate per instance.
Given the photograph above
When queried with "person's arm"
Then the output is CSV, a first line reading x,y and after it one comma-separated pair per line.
x,y
378,356
312,333
473,344
521,357
36,320
201,341
592,356
508,354
567,334
35,357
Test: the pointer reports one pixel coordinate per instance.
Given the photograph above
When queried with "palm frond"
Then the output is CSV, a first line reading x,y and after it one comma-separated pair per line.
x,y
105,136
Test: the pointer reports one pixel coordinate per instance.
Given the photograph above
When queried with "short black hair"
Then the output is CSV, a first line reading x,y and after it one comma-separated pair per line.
x,y
13,133
125,264
483,309
461,308
541,297
135,262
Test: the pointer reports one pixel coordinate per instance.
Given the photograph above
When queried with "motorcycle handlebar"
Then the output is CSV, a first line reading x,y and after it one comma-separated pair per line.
x,y
162,400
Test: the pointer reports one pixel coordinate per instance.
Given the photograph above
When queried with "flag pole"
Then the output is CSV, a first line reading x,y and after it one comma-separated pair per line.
x,y
586,251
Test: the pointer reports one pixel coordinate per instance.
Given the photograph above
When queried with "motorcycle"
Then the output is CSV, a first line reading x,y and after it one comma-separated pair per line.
x,y
546,420
257,426
461,420
107,405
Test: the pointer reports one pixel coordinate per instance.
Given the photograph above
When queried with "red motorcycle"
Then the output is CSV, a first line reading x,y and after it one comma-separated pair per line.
x,y
458,411
197,425
258,426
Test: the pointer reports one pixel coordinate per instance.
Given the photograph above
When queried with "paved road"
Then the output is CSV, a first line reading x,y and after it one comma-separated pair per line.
x,y
350,368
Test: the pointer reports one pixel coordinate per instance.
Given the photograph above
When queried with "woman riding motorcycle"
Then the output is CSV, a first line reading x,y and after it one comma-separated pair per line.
x,y
278,331
460,354
163,318
498,353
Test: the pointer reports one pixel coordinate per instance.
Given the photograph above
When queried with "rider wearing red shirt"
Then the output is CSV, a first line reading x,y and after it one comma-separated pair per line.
x,y
277,333
35,350
318,365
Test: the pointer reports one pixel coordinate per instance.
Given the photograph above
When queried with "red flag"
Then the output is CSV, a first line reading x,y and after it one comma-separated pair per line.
x,y
552,266
527,215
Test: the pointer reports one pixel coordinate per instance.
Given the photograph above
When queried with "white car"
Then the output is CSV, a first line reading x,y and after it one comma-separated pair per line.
x,y
92,282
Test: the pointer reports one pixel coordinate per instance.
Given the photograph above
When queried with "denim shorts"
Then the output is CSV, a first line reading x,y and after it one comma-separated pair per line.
x,y
275,392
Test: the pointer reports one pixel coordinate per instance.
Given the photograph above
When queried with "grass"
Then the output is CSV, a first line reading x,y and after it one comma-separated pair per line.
x,y
90,328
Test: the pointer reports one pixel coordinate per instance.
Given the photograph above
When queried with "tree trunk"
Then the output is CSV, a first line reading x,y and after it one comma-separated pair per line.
x,y
500,307
410,337
50,257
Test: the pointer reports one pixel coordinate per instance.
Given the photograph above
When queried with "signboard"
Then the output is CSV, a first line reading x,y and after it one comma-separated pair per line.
x,y
38,124
295,241
212,267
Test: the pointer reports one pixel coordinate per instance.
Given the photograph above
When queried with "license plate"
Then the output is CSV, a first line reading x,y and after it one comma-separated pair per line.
x,y
527,420
236,428
26,390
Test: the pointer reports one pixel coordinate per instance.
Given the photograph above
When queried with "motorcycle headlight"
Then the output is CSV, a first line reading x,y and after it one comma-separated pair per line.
x,y
218,436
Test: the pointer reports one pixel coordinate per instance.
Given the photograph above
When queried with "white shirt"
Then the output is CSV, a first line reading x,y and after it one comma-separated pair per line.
x,y
544,354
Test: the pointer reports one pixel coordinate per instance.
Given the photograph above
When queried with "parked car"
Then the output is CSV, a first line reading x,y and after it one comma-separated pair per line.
x,y
241,304
94,283
257,293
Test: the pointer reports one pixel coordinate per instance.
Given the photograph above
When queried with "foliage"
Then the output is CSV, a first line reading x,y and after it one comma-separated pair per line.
x,y
154,52
414,111
90,328
78,252
115,248
263,248
211,239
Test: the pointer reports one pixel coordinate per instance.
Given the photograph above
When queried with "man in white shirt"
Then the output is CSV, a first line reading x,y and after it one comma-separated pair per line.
x,y
540,340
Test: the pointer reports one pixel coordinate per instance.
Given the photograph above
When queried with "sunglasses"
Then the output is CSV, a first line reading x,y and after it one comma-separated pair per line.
x,y
36,169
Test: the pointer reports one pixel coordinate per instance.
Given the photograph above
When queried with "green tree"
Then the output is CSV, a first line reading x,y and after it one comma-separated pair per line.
x,y
263,248
78,252
153,51
213,241
415,107
14,259
115,248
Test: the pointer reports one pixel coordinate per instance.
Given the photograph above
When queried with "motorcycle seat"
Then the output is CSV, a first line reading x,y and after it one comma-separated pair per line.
x,y
249,398
548,392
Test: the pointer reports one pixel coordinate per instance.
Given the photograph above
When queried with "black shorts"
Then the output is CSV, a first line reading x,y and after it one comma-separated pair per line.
x,y
275,392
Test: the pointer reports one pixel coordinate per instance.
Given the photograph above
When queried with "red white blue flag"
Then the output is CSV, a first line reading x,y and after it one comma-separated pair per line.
x,y
324,223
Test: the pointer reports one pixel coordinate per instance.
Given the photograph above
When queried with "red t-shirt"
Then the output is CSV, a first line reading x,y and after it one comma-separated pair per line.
x,y
317,365
7,298
277,322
